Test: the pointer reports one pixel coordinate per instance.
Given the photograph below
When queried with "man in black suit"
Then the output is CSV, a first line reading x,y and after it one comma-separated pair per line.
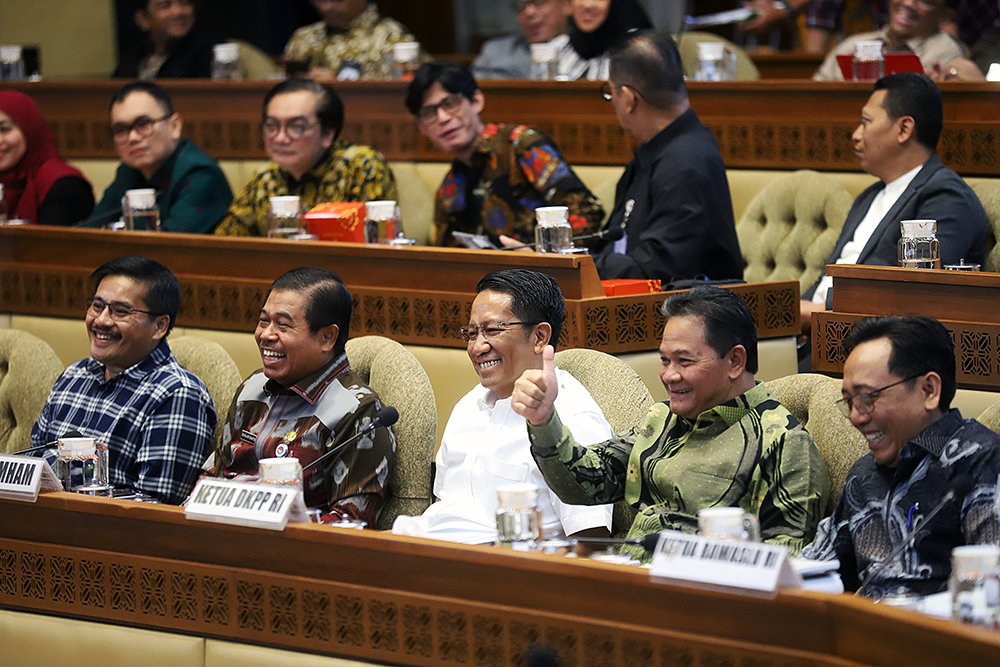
x,y
171,46
896,142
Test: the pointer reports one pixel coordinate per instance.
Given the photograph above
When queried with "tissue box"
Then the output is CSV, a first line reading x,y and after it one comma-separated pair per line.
x,y
337,221
625,286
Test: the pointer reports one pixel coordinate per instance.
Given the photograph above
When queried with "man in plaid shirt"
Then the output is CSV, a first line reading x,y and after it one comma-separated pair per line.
x,y
156,418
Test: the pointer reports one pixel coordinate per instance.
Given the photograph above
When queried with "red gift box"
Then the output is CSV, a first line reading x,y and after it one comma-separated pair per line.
x,y
337,221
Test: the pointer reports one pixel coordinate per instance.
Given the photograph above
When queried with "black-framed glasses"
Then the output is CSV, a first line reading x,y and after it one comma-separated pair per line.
x,y
429,112
865,403
294,129
489,331
119,312
520,5
143,125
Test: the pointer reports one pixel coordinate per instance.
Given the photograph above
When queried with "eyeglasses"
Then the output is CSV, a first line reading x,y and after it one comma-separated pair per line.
x,y
119,311
294,129
607,90
429,112
470,334
143,125
520,5
865,403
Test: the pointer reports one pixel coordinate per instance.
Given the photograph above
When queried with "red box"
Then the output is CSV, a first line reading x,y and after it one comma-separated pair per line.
x,y
624,286
337,221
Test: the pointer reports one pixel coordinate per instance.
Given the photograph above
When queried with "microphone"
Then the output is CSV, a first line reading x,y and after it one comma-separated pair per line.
x,y
647,542
610,234
48,445
387,416
960,487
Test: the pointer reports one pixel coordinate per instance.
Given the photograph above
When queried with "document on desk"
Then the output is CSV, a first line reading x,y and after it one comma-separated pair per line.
x,y
253,504
732,566
23,477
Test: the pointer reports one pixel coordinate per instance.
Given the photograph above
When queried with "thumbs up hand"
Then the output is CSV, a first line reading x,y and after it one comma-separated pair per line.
x,y
536,390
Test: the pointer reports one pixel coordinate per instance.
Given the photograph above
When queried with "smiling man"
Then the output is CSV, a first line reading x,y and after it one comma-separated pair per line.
x,y
307,401
914,27
899,380
896,142
515,315
301,123
192,193
500,173
721,440
173,47
156,418
509,57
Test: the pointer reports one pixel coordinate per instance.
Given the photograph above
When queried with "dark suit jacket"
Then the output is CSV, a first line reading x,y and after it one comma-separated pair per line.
x,y
936,193
190,58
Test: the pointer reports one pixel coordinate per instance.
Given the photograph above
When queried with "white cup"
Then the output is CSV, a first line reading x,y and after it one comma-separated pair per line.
x,y
285,470
729,523
140,211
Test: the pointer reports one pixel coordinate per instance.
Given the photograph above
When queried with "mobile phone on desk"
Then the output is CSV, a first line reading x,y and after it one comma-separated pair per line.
x,y
475,241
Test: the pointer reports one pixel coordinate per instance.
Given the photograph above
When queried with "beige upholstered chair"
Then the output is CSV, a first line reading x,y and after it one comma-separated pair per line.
x,y
990,417
811,397
400,381
989,197
28,369
213,366
623,398
688,46
256,63
791,227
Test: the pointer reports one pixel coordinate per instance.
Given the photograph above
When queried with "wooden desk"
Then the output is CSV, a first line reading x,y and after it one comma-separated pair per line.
x,y
416,295
965,302
758,124
406,601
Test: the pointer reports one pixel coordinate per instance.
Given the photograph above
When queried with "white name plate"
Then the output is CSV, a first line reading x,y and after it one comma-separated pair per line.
x,y
252,504
22,477
733,566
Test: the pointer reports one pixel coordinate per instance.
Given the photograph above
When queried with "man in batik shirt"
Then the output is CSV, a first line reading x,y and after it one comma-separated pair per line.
x,y
307,401
301,123
722,440
501,173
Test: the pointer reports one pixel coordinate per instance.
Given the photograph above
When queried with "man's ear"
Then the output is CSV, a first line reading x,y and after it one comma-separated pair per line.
x,y
541,337
930,390
737,359
176,126
162,323
907,129
478,101
328,337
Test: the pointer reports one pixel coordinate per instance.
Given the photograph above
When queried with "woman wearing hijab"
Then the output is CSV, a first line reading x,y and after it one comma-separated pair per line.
x,y
37,185
595,26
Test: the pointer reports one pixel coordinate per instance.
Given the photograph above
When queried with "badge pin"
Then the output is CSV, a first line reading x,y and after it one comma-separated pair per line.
x,y
281,450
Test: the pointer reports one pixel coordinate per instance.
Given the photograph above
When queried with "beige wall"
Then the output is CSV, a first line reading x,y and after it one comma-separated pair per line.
x,y
76,36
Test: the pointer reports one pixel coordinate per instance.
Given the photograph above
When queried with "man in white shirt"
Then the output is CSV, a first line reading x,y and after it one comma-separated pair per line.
x,y
516,313
509,57
896,142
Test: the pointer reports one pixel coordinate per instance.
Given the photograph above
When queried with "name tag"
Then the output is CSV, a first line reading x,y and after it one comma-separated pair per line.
x,y
269,506
22,477
733,566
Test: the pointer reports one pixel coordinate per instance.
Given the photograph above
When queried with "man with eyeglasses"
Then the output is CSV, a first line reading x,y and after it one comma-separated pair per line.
x,y
509,57
899,380
673,200
515,315
721,440
156,418
301,123
192,193
500,173
914,27
172,48
352,41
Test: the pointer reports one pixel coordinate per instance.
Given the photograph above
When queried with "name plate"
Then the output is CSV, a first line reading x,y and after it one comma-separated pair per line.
x,y
22,477
253,504
732,566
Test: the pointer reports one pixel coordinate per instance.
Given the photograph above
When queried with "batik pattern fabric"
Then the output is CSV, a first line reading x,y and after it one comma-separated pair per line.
x,y
748,452
880,508
305,421
346,173
515,169
361,50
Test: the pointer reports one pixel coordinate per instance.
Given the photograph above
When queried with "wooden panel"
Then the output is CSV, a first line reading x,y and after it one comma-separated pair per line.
x,y
406,601
759,124
414,295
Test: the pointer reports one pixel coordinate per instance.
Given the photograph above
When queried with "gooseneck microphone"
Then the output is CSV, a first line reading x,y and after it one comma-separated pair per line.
x,y
960,487
647,542
48,445
610,234
387,416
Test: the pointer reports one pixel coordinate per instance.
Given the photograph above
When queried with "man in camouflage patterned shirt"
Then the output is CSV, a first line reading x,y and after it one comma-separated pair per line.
x,y
351,42
722,440
501,173
302,120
